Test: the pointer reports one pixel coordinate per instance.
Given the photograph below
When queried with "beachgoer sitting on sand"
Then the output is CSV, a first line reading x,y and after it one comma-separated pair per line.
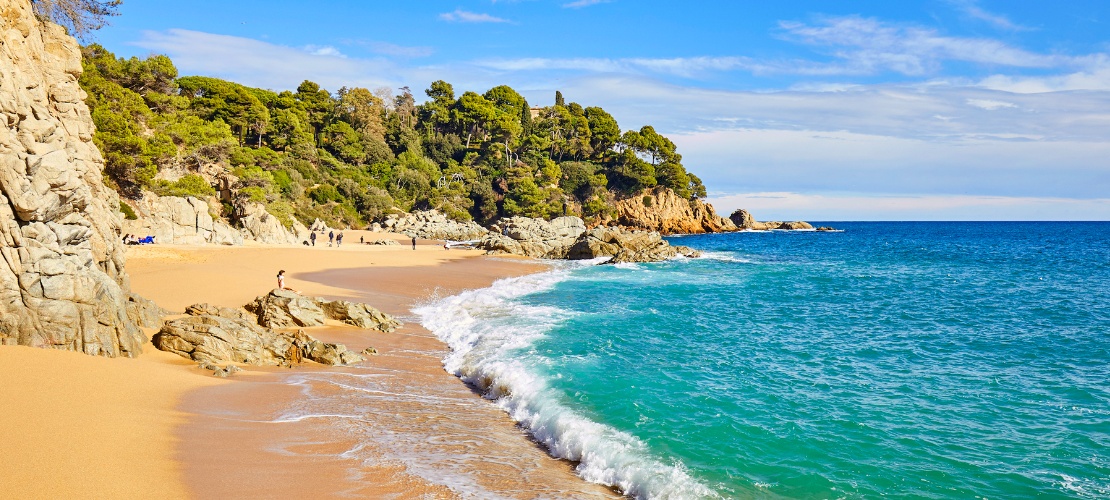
x,y
281,282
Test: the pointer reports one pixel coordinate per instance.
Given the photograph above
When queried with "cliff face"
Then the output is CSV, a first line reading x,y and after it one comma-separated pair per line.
x,y
663,211
62,281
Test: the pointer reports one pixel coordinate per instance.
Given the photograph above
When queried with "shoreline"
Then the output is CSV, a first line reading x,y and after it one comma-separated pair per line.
x,y
477,447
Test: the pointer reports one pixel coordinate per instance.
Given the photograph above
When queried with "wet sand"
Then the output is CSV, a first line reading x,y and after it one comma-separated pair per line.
x,y
396,426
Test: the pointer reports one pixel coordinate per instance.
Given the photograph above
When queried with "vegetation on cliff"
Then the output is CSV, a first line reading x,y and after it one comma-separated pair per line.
x,y
350,156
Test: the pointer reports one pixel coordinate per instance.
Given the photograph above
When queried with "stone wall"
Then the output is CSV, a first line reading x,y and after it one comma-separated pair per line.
x,y
62,278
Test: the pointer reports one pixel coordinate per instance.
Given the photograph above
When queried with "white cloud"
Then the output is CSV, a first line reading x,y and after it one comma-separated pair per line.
x,y
972,9
325,50
462,16
866,46
989,104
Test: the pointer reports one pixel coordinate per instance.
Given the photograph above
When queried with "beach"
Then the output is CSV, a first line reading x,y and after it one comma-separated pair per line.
x,y
161,427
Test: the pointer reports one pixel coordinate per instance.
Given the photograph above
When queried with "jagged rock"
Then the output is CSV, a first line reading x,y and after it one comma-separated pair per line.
x,y
179,221
623,245
370,351
226,371
287,309
534,237
62,278
744,220
223,312
433,225
686,251
213,339
360,315
383,242
259,225
660,209
145,313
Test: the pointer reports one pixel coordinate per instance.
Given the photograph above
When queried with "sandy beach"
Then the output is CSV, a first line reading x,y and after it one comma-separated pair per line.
x,y
158,426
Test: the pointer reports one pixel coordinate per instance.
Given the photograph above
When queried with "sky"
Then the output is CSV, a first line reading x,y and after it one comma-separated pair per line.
x,y
807,109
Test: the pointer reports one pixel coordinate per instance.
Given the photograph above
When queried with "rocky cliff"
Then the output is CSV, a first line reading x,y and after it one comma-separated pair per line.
x,y
62,281
664,211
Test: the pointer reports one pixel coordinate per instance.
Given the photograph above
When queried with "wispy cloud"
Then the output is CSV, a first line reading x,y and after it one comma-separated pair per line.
x,y
578,4
324,50
463,16
990,104
866,46
971,9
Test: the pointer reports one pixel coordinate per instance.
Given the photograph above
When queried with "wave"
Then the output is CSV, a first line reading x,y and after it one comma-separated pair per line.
x,y
725,257
489,332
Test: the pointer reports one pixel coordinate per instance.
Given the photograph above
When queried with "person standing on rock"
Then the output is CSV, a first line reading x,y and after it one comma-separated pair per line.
x,y
281,282
313,238
331,237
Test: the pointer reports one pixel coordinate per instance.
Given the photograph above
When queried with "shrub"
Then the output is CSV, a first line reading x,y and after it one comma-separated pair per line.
x,y
189,185
128,212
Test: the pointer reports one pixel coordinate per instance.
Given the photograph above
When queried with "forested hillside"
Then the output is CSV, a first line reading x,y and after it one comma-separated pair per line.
x,y
350,156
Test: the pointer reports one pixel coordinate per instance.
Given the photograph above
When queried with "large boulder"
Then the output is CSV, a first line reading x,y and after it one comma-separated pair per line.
x,y
288,309
263,227
179,221
660,209
62,278
623,245
217,339
745,221
534,237
432,224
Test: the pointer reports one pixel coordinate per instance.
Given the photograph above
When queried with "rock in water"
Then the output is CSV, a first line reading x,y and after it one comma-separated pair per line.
x,y
62,278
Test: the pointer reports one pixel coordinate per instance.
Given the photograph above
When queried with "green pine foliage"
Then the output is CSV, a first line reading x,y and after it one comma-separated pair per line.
x,y
356,155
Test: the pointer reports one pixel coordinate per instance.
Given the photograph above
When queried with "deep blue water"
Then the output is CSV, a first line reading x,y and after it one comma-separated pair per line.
x,y
911,360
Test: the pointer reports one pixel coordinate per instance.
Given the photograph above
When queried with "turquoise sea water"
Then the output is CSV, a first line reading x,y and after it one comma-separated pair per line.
x,y
908,360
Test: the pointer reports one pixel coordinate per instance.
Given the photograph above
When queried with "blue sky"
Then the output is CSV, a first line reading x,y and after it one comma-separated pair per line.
x,y
863,110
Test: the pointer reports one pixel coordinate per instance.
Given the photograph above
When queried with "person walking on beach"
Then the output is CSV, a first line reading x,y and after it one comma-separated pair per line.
x,y
339,239
313,238
331,237
414,242
281,282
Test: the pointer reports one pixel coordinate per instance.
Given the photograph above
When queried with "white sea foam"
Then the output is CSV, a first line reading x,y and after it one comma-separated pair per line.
x,y
489,331
726,257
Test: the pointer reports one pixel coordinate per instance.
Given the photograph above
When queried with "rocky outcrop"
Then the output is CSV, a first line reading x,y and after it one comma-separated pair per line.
x,y
534,237
288,309
568,238
660,209
745,221
145,313
217,339
62,278
434,226
179,221
261,226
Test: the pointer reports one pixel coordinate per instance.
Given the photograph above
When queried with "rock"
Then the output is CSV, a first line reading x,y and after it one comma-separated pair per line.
x,y
62,278
259,225
286,309
383,242
179,221
226,371
223,312
213,339
660,209
826,228
360,315
145,313
433,225
687,251
534,237
370,351
744,220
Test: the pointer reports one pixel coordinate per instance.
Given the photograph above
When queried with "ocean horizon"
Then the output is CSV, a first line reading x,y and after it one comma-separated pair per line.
x,y
908,359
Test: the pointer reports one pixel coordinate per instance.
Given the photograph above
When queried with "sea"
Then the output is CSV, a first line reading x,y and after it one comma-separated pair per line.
x,y
887,359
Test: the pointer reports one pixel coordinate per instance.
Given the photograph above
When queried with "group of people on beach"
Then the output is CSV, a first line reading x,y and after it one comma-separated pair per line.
x,y
333,237
130,239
